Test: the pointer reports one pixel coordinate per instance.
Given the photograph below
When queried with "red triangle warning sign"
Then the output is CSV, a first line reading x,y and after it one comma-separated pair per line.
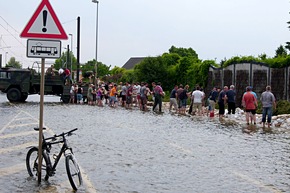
x,y
44,24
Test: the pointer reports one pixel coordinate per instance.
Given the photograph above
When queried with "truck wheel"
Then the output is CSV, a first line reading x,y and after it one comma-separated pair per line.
x,y
13,95
24,96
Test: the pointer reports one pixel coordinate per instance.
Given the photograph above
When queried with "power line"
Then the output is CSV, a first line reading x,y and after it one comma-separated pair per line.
x,y
69,21
10,32
9,24
13,33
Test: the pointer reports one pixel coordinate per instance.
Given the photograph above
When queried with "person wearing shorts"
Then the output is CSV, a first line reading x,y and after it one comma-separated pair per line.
x,y
90,94
129,96
143,96
173,99
197,97
72,93
79,94
113,94
250,104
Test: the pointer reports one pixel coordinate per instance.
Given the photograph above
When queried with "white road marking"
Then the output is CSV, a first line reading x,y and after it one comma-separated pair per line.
x,y
21,125
17,147
87,182
9,123
256,182
20,134
12,169
23,118
178,147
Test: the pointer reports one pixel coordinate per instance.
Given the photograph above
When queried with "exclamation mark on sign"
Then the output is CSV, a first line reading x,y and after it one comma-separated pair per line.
x,y
44,14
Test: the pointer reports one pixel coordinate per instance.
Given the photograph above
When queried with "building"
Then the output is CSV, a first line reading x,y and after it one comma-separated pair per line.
x,y
131,63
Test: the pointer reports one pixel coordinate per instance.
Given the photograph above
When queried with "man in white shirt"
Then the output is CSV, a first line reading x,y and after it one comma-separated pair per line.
x,y
197,97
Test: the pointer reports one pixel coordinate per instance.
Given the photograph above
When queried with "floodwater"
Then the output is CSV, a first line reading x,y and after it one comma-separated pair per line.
x,y
122,151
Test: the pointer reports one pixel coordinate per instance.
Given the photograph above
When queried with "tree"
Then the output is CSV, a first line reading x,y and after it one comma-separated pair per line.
x,y
102,69
151,69
203,71
64,61
264,56
117,70
182,68
13,63
193,75
183,52
128,76
116,74
281,51
171,58
287,46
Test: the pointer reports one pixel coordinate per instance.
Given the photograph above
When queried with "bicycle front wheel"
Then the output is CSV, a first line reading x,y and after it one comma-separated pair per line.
x,y
73,172
32,162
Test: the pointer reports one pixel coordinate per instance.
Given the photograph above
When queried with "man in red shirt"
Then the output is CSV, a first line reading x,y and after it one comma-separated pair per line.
x,y
249,101
67,75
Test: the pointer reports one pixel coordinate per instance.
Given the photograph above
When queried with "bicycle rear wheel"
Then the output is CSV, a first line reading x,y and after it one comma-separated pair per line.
x,y
73,172
32,162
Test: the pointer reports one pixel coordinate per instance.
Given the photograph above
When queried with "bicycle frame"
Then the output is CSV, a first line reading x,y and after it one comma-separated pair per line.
x,y
46,150
72,168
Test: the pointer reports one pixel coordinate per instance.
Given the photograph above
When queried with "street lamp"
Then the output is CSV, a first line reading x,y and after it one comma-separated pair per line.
x,y
6,58
71,58
4,48
97,23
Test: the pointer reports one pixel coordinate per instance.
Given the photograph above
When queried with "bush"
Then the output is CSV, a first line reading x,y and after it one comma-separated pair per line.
x,y
282,107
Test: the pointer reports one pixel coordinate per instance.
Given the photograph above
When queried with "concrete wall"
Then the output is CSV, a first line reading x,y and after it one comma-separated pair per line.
x,y
256,75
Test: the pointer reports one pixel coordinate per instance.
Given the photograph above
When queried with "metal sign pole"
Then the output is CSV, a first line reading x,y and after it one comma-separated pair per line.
x,y
41,120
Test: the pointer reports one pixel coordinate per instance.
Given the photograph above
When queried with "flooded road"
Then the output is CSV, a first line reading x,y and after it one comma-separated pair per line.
x,y
122,150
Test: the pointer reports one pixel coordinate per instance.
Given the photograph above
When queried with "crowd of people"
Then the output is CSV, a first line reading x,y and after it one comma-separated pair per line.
x,y
182,100
249,102
122,94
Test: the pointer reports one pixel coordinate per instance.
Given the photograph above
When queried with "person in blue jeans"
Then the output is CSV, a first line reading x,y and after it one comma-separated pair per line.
x,y
268,102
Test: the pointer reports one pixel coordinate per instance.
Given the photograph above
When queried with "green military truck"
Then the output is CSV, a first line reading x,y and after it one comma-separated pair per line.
x,y
19,83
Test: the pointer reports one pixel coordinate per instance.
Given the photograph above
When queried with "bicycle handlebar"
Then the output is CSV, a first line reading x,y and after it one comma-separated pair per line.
x,y
61,135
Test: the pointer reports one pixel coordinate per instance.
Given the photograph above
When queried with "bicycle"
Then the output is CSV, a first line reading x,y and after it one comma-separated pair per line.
x,y
72,168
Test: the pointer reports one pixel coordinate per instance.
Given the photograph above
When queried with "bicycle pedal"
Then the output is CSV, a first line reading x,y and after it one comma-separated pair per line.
x,y
51,173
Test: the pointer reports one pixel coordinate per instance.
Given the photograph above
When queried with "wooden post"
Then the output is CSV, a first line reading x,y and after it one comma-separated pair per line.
x,y
41,119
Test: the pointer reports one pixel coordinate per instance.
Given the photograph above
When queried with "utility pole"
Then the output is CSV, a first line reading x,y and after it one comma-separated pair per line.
x,y
67,57
78,47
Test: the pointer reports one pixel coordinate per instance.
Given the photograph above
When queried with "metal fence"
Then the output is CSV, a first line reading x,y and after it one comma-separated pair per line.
x,y
254,74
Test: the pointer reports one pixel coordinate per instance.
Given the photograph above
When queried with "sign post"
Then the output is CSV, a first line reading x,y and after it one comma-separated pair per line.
x,y
43,25
41,120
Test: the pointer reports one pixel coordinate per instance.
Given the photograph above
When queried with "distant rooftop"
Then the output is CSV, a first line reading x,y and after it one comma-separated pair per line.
x,y
132,62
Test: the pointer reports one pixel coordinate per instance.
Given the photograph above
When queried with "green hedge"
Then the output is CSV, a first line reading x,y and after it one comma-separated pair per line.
x,y
283,107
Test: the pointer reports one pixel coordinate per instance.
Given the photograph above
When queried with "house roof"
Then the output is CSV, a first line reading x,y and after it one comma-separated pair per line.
x,y
132,62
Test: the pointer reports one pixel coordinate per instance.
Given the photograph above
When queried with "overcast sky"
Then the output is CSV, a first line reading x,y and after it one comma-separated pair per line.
x,y
215,29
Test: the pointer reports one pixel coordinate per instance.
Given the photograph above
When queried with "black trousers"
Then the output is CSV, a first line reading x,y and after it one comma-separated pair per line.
x,y
158,100
232,107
